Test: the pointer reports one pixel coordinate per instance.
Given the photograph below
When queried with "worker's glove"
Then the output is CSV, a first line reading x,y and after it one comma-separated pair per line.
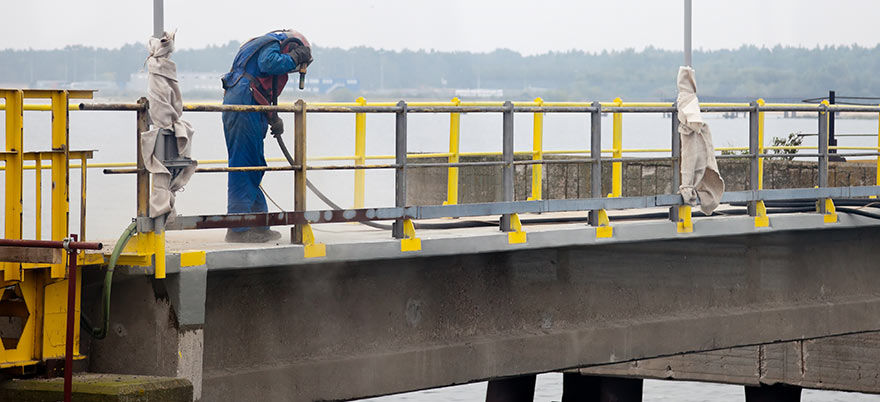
x,y
301,55
276,125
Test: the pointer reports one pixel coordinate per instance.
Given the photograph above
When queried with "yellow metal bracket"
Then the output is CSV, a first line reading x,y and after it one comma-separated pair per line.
x,y
830,215
685,223
761,218
604,230
193,258
143,249
517,236
311,249
410,242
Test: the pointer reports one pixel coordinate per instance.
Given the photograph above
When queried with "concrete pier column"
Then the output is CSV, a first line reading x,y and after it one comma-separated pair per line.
x,y
156,326
513,389
773,393
587,388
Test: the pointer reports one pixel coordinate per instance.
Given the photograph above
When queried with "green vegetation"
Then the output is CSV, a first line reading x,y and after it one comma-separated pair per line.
x,y
745,73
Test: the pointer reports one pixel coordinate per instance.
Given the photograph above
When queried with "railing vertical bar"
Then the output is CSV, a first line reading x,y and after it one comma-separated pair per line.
x,y
400,171
38,196
617,146
360,152
823,148
82,198
454,155
537,152
760,103
596,156
299,159
676,160
60,172
143,177
753,160
507,156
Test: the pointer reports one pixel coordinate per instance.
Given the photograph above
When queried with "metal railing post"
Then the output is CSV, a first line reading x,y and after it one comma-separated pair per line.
x,y
676,161
60,166
360,154
299,159
143,176
760,103
400,170
13,175
877,174
507,158
617,147
753,158
454,155
823,145
537,152
596,158
824,122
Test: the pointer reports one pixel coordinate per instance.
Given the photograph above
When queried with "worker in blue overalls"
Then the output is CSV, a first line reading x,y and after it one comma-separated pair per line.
x,y
258,75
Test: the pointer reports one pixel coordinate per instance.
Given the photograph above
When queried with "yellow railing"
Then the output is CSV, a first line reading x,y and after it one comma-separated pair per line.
x,y
454,154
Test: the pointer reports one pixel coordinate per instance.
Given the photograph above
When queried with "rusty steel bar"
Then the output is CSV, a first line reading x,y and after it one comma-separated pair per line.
x,y
114,106
143,177
71,307
74,245
397,230
299,176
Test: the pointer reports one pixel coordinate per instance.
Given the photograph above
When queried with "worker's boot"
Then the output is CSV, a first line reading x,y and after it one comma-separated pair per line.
x,y
252,236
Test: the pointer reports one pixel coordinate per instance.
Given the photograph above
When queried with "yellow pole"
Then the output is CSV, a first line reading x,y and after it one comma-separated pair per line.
x,y
537,152
60,163
617,146
760,145
14,171
878,144
454,153
38,195
360,153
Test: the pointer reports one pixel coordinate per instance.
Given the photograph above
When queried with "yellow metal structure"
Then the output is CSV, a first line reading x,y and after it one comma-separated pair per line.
x,y
193,258
617,147
360,153
33,296
454,153
830,215
604,230
761,218
517,235
311,249
685,222
410,242
537,152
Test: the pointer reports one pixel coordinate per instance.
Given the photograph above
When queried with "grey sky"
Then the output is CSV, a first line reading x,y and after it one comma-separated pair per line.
x,y
475,25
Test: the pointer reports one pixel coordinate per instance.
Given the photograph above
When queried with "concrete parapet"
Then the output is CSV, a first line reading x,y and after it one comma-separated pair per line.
x,y
90,387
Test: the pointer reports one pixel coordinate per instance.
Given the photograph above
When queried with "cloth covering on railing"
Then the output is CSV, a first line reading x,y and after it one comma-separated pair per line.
x,y
166,107
700,181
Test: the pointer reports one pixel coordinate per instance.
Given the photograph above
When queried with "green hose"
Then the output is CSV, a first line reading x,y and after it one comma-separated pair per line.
x,y
101,333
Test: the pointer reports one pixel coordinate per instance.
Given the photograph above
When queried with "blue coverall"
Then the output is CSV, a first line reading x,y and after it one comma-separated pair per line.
x,y
245,133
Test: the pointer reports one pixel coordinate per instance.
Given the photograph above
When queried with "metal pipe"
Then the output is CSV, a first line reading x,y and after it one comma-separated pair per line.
x,y
687,33
73,245
676,161
300,182
596,156
158,18
71,306
400,172
507,157
754,180
823,151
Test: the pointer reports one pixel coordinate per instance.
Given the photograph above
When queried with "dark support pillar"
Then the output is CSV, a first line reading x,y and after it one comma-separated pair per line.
x,y
514,389
587,388
773,393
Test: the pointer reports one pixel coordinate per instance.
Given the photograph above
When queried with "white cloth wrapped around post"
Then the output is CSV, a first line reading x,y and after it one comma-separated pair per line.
x,y
700,181
166,108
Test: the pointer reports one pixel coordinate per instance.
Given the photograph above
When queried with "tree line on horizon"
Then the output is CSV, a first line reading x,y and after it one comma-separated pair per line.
x,y
649,74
